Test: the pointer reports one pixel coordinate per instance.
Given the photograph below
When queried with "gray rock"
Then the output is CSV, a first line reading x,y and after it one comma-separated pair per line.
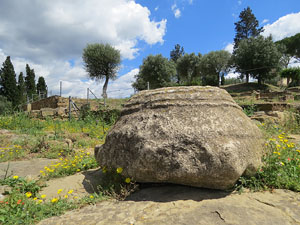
x,y
195,136
189,206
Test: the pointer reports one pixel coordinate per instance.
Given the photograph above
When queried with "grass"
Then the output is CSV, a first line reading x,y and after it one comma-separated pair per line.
x,y
29,138
281,163
47,138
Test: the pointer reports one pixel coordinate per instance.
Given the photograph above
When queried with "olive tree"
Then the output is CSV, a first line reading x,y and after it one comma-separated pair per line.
x,y
101,61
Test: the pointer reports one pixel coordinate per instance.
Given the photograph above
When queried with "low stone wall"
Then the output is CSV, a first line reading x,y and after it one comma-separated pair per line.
x,y
54,102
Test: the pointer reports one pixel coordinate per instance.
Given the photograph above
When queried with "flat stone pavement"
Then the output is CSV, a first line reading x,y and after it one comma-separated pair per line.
x,y
173,204
26,168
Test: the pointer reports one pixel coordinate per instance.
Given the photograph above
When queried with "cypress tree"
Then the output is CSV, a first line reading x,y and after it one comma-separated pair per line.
x,y
246,28
8,82
30,82
21,89
41,86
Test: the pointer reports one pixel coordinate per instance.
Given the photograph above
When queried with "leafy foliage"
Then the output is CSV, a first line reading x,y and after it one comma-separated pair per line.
x,y
21,89
213,65
292,45
188,68
5,106
41,86
292,73
30,82
8,82
246,27
157,70
257,57
101,61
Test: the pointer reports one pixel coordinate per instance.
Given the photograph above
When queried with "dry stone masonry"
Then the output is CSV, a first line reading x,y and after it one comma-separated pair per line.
x,y
196,136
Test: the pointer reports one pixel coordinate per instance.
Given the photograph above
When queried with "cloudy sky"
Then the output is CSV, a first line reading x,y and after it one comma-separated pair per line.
x,y
50,35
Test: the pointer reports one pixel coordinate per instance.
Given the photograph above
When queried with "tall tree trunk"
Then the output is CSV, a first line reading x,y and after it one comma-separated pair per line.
x,y
259,81
104,94
247,78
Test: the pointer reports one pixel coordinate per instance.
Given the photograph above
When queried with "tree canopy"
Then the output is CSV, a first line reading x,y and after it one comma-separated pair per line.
x,y
30,82
8,82
21,89
257,57
188,68
157,70
292,73
41,86
101,61
213,65
292,45
246,27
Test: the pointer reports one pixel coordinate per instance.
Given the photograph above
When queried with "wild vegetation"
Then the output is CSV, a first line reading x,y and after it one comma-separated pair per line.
x,y
26,137
72,142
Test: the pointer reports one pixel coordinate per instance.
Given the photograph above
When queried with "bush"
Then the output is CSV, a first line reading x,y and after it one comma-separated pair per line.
x,y
5,106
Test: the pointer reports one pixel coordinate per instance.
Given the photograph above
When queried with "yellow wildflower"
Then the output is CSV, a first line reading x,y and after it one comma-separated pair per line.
x,y
119,170
59,191
91,196
70,191
66,196
43,196
16,177
127,180
28,194
54,200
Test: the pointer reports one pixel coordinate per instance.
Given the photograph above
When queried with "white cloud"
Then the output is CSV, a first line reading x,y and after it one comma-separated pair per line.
x,y
285,26
156,8
61,29
264,21
229,47
74,79
239,2
176,11
47,34
190,2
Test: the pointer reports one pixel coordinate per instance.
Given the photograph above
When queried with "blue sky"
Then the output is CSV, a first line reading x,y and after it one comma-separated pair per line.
x,y
50,35
206,26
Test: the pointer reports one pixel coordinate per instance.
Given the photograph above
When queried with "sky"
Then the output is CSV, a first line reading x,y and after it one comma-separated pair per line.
x,y
50,35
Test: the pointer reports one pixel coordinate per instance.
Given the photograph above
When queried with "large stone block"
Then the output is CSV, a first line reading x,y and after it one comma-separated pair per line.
x,y
195,136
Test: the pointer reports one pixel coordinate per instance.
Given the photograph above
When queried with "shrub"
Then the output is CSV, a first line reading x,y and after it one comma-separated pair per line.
x,y
5,106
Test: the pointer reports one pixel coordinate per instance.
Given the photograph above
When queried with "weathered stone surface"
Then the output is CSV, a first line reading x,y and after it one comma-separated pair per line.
x,y
272,116
82,184
27,168
47,112
191,206
195,136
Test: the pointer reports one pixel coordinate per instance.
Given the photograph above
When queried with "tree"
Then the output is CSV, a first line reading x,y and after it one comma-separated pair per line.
x,y
257,57
30,82
292,45
101,61
176,54
291,73
5,105
214,65
245,28
157,70
21,89
8,82
41,86
187,68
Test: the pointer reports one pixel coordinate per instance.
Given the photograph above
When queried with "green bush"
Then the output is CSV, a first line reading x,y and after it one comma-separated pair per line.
x,y
5,106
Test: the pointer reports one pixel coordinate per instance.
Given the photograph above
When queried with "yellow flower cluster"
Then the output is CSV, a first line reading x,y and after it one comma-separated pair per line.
x,y
71,163
10,152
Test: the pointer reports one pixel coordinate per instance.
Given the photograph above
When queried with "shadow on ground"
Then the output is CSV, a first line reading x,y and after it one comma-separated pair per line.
x,y
172,192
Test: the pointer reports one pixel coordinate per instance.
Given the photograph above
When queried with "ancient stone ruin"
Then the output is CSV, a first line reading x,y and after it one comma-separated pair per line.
x,y
196,136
